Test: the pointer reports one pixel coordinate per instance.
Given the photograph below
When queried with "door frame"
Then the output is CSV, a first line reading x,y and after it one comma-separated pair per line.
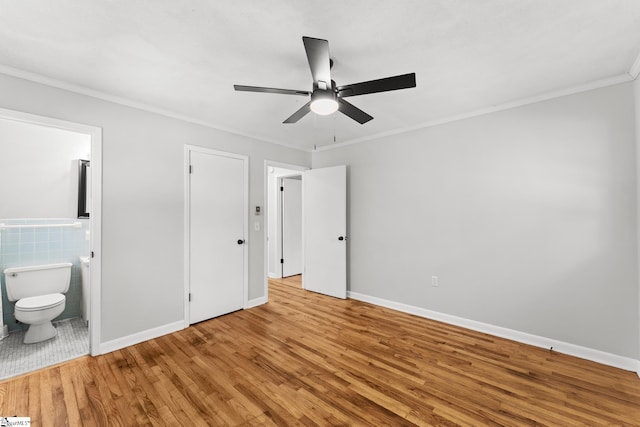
x,y
95,219
187,223
268,164
279,217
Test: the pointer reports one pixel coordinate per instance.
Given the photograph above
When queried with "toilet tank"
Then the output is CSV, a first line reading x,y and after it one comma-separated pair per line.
x,y
23,282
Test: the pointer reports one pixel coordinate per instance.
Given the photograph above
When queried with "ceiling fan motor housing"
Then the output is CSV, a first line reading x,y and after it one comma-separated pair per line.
x,y
323,86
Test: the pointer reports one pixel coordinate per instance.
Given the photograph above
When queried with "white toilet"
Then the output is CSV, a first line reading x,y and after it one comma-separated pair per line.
x,y
38,291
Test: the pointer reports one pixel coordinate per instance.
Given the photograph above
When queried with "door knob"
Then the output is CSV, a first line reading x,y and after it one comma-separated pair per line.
x,y
240,241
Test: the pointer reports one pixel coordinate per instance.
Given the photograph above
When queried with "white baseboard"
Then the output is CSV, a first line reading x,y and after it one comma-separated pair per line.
x,y
118,343
256,302
598,356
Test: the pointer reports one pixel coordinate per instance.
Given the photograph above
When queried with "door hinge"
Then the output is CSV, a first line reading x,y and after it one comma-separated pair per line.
x,y
281,188
92,254
190,169
189,296
281,260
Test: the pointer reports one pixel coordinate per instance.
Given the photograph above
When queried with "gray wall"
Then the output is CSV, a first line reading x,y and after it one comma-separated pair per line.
x,y
142,228
527,216
39,170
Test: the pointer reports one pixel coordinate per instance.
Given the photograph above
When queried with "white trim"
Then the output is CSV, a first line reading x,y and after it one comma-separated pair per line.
x,y
82,90
246,228
635,68
256,302
265,226
187,223
523,337
142,336
496,108
48,121
186,236
95,133
95,269
37,78
278,223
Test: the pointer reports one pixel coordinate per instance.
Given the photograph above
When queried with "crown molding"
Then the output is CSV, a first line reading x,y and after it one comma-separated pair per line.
x,y
48,81
623,78
635,68
59,84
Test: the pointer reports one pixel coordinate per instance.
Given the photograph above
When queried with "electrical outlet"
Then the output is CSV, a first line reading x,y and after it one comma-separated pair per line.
x,y
434,281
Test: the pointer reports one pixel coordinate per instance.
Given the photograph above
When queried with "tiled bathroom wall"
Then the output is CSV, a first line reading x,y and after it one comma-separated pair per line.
x,y
20,247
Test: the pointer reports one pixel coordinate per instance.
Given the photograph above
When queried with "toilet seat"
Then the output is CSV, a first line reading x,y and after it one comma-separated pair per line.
x,y
40,302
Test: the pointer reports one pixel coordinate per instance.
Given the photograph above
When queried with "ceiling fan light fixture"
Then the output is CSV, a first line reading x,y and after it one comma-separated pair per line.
x,y
326,97
323,102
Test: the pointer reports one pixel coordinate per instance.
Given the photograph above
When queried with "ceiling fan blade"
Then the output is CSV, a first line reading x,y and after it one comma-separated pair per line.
x,y
403,81
319,62
303,111
270,90
354,112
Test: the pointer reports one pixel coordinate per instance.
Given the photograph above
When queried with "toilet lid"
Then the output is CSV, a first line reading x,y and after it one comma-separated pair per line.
x,y
41,302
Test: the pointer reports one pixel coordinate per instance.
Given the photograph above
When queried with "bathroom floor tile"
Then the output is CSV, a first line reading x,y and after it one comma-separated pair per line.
x,y
17,358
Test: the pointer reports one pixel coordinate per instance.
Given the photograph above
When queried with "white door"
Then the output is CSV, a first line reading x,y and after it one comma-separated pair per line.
x,y
325,227
216,234
291,197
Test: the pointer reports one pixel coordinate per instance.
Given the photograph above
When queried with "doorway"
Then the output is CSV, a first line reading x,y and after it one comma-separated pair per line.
x,y
279,175
324,228
47,160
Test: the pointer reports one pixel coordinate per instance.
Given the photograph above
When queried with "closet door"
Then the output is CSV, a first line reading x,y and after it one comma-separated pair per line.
x,y
217,254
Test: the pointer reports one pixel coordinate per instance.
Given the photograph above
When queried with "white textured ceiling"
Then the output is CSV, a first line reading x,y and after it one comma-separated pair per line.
x,y
183,57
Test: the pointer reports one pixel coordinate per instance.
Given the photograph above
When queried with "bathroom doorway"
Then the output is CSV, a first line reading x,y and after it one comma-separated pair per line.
x,y
51,215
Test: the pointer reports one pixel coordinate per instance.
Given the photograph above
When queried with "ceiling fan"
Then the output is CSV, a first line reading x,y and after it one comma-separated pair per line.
x,y
326,97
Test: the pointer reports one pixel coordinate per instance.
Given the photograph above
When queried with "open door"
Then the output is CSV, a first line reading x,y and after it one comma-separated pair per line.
x,y
325,228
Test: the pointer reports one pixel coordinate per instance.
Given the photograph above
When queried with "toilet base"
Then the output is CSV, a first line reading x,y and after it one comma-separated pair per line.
x,y
40,332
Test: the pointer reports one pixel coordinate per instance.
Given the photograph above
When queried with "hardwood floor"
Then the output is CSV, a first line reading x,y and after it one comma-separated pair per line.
x,y
307,359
